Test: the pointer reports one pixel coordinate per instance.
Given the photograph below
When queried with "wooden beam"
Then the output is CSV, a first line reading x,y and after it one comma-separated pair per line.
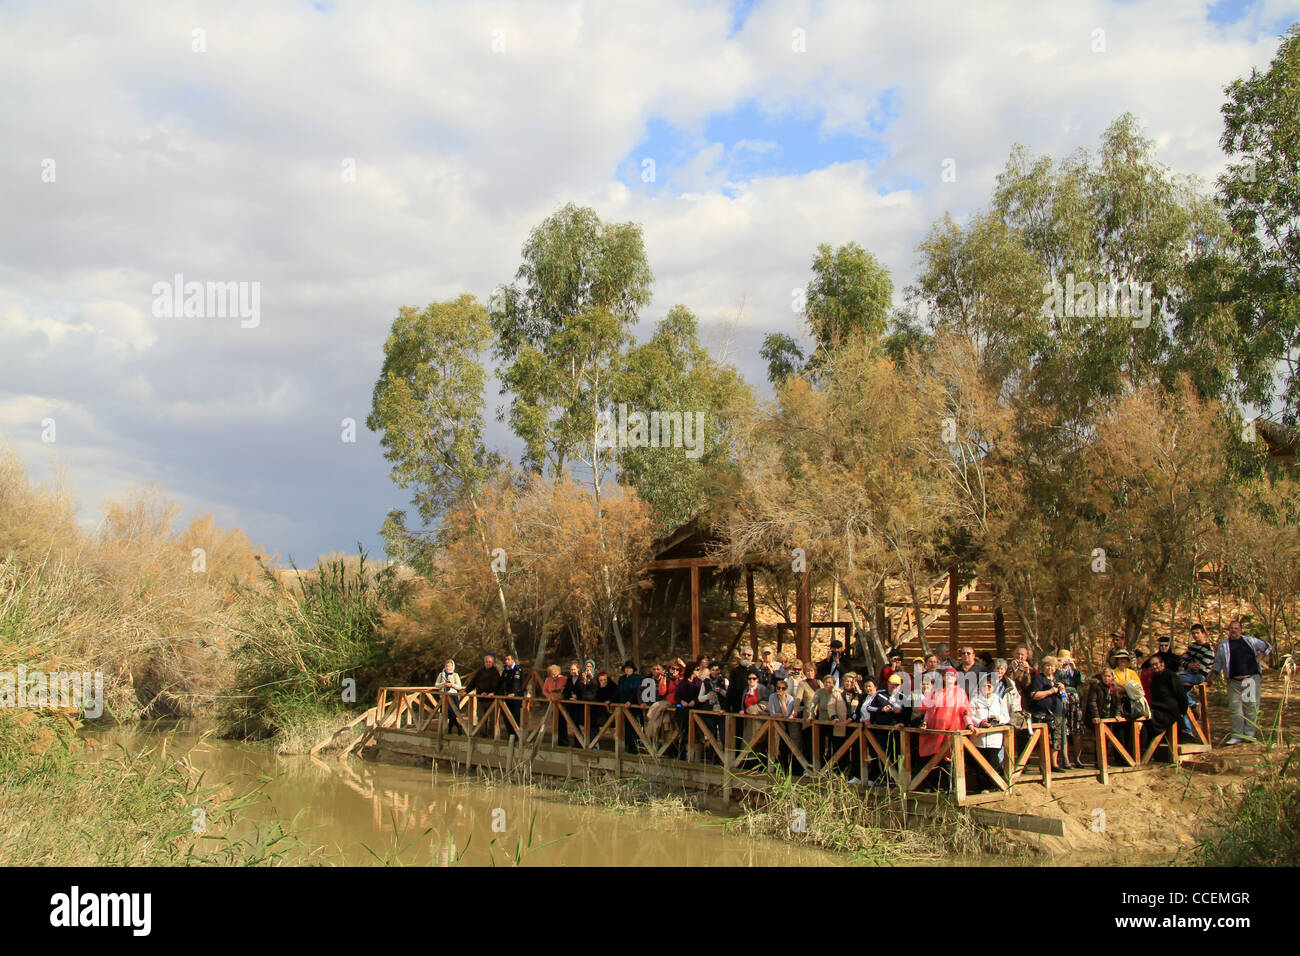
x,y
636,631
753,617
802,617
954,621
673,564
695,612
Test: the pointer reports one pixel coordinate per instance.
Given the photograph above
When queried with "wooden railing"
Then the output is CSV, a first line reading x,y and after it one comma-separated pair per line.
x,y
737,743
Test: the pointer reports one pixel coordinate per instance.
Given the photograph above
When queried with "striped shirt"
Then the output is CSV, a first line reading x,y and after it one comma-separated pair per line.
x,y
1202,654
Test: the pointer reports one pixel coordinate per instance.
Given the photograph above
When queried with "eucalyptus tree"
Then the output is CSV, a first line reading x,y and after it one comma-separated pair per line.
x,y
428,407
674,374
850,297
1260,193
561,330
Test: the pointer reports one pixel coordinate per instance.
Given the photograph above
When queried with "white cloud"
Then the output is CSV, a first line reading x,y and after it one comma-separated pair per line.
x,y
225,166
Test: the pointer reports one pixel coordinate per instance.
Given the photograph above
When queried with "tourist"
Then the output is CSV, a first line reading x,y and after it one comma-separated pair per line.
x,y
712,701
713,694
587,682
487,679
1105,698
894,666
687,696
553,690
1195,664
969,665
606,689
1168,698
1069,674
449,683
629,693
881,708
676,673
1194,668
511,687
1008,691
987,709
1047,705
827,705
781,702
737,680
767,673
1164,651
573,710
1119,663
932,669
943,707
945,659
928,684
782,670
754,699
835,665
852,696
660,681
1237,659
802,687
985,661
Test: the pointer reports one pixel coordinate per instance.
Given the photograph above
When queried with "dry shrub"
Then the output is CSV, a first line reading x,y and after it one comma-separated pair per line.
x,y
126,599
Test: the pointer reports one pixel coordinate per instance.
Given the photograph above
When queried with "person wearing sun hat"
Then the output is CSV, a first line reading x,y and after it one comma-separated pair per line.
x,y
1121,664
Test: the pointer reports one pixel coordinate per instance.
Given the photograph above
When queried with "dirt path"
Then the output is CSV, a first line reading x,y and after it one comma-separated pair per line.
x,y
1154,816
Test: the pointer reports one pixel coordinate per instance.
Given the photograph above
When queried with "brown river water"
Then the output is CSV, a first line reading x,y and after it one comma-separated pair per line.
x,y
356,812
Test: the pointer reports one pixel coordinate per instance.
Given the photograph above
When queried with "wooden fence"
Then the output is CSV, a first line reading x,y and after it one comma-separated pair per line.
x,y
735,748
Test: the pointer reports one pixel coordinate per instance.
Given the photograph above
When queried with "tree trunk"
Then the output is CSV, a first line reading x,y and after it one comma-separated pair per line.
x,y
920,617
882,617
611,609
508,634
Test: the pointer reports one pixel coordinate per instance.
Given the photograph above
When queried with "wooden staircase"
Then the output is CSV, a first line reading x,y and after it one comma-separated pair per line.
x,y
975,606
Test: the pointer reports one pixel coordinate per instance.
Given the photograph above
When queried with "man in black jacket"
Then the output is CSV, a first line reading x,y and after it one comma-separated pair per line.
x,y
1168,698
835,665
512,686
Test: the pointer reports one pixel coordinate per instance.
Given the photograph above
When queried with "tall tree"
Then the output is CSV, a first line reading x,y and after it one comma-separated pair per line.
x,y
1260,192
428,408
849,298
561,329
672,372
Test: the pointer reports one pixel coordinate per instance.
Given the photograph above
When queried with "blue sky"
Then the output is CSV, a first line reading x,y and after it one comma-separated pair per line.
x,y
467,125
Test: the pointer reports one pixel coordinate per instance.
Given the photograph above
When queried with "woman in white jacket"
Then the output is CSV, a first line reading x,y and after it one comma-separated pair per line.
x,y
449,682
988,709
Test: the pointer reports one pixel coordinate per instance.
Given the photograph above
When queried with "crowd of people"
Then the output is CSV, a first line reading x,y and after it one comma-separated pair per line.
x,y
973,691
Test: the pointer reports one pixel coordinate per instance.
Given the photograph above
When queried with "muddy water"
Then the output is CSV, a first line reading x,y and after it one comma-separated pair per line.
x,y
358,813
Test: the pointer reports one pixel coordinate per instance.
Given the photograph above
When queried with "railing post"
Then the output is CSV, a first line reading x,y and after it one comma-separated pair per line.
x,y
1103,754
959,765
1045,755
905,784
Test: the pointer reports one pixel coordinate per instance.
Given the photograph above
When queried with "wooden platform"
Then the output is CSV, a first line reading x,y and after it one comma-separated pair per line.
x,y
730,755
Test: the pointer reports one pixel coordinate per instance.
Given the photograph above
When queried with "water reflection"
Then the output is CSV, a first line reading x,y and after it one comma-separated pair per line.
x,y
354,812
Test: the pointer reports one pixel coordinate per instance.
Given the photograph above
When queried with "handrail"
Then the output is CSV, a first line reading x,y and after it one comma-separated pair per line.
x,y
739,743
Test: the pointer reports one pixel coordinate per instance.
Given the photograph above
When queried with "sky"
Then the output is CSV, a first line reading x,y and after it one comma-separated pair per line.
x,y
344,159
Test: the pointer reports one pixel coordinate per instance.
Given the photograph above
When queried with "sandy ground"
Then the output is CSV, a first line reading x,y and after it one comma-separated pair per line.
x,y
1154,816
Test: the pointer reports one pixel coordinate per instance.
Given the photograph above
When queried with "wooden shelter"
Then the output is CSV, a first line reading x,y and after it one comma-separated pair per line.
x,y
693,549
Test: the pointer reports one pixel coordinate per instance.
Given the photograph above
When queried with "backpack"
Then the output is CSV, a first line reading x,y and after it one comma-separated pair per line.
x,y
1134,705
